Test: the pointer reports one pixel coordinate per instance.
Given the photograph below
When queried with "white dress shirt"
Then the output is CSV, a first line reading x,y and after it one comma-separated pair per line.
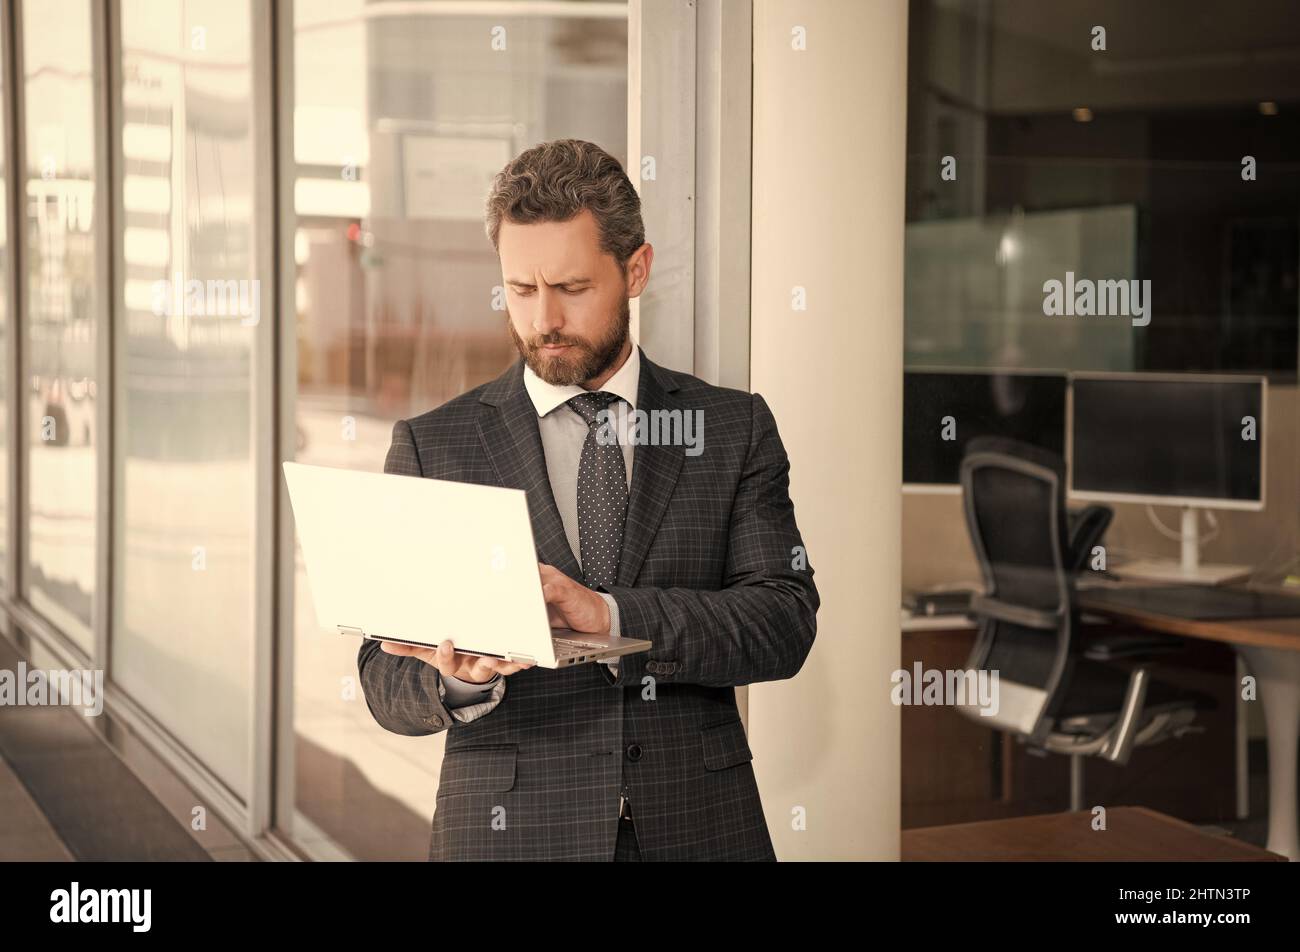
x,y
563,433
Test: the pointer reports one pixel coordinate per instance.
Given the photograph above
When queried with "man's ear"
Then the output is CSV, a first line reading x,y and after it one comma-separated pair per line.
x,y
638,269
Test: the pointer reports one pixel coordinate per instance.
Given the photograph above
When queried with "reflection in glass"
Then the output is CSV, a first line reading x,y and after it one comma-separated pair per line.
x,y
62,306
183,627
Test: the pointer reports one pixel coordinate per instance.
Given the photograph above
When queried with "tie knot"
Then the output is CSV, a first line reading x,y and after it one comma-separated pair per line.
x,y
588,405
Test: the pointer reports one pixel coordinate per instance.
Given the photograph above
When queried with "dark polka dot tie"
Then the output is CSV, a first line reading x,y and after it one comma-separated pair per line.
x,y
602,491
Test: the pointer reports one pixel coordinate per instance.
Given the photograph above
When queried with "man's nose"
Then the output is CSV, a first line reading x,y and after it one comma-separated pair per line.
x,y
549,316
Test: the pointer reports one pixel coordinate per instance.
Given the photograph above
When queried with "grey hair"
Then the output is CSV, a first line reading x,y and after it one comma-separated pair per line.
x,y
555,181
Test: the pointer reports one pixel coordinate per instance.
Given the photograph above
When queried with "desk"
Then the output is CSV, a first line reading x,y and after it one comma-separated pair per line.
x,y
1271,649
1133,834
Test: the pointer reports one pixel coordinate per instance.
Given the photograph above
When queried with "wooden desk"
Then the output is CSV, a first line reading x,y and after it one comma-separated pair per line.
x,y
1132,834
1280,633
1271,649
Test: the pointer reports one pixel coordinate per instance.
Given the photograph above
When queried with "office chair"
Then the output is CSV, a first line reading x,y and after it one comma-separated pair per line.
x,y
1086,528
1051,695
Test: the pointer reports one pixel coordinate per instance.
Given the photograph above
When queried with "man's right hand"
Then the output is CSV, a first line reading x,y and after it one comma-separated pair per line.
x,y
451,663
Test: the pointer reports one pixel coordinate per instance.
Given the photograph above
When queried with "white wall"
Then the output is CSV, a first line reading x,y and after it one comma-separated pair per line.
x,y
828,179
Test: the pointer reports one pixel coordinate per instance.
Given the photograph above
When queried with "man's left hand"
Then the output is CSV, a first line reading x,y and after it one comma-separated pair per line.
x,y
571,604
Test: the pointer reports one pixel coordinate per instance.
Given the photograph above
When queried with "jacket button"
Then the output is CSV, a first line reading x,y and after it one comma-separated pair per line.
x,y
436,720
634,752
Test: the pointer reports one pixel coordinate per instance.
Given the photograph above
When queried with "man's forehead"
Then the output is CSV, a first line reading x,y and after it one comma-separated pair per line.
x,y
540,248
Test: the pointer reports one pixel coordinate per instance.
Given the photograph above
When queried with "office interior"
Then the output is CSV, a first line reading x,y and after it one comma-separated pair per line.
x,y
325,162
1120,169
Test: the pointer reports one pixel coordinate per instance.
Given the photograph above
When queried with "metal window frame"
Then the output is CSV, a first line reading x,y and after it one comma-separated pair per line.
x,y
723,161
284,819
17,261
661,82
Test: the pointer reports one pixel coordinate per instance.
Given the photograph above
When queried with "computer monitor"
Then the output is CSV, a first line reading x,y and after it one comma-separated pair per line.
x,y
1189,440
943,410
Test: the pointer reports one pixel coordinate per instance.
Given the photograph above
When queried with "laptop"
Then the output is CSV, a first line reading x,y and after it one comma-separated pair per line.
x,y
417,561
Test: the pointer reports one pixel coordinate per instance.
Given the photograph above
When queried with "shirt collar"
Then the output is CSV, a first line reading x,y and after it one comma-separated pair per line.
x,y
547,396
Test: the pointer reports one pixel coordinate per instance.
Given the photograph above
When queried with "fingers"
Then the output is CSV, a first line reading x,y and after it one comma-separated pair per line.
x,y
482,670
487,667
447,661
556,593
467,667
452,663
409,651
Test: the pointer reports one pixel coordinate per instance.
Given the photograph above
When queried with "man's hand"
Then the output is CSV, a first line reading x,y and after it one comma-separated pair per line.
x,y
451,663
570,604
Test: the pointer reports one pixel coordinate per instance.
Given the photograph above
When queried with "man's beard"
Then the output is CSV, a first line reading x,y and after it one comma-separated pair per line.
x,y
582,361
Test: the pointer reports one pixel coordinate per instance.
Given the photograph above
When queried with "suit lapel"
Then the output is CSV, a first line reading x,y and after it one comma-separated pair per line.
x,y
510,437
654,474
513,444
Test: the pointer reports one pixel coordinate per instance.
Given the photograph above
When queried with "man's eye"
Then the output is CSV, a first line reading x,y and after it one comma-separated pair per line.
x,y
523,292
574,290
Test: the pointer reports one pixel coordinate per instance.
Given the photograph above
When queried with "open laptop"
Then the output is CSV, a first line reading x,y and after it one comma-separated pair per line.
x,y
418,561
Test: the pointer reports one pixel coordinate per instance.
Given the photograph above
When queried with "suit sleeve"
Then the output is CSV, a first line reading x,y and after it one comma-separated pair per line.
x,y
403,693
760,626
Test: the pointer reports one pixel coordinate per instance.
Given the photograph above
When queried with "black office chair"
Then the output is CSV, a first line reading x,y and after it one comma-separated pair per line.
x,y
1051,694
1086,528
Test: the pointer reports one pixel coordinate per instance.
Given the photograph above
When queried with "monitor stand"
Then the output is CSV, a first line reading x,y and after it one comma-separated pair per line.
x,y
1188,570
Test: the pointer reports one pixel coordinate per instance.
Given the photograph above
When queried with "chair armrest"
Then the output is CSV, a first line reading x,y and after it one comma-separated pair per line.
x,y
1121,737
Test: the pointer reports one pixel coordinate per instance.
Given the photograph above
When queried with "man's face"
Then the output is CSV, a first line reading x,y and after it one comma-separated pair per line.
x,y
567,300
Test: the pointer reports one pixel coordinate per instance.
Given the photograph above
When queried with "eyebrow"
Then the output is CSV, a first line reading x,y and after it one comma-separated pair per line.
x,y
519,282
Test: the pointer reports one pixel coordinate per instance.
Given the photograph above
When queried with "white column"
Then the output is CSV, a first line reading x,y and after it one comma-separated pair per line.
x,y
828,179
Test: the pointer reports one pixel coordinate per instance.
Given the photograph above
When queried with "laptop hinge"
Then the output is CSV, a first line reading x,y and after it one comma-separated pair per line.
x,y
516,656
349,630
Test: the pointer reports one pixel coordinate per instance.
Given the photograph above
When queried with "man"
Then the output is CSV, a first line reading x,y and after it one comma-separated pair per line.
x,y
694,548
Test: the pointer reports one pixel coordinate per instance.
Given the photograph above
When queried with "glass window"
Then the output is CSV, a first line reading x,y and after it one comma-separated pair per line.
x,y
1074,210
400,121
190,297
62,304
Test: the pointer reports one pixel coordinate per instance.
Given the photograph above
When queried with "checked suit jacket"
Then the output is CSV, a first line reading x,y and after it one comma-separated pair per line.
x,y
712,571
